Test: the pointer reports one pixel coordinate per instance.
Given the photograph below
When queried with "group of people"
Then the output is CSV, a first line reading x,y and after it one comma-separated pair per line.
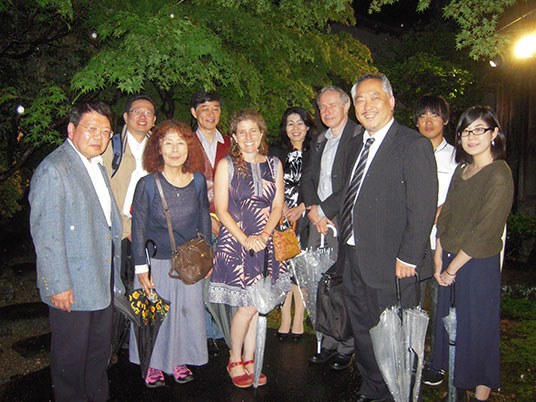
x,y
384,186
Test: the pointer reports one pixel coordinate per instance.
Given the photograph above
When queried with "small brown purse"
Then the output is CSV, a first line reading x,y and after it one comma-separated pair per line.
x,y
286,244
191,261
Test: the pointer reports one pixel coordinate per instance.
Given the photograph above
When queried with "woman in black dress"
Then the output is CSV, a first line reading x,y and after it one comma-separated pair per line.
x,y
295,132
469,230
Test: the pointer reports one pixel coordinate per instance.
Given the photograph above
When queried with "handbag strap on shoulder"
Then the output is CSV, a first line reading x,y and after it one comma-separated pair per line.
x,y
276,160
166,211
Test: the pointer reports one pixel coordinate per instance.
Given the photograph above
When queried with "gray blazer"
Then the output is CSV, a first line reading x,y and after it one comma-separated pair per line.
x,y
311,175
396,206
72,239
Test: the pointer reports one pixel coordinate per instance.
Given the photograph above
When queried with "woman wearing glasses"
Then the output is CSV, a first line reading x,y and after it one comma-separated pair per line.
x,y
469,230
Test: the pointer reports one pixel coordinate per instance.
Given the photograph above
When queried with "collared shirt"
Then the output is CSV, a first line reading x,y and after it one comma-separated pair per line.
x,y
325,188
137,149
99,184
378,139
445,156
210,148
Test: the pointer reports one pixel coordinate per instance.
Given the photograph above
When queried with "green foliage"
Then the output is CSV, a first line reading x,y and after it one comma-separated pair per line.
x,y
266,55
521,228
418,63
477,21
518,308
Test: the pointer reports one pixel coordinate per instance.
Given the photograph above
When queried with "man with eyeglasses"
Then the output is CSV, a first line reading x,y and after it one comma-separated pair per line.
x,y
76,229
123,160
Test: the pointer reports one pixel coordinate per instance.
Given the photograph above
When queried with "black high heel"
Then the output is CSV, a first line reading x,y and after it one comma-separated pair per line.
x,y
282,335
296,337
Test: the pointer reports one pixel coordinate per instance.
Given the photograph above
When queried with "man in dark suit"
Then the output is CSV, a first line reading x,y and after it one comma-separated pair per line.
x,y
76,229
322,185
387,211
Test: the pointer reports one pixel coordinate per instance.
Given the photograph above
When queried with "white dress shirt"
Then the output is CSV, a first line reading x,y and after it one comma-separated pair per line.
x,y
210,148
325,188
137,149
99,184
378,139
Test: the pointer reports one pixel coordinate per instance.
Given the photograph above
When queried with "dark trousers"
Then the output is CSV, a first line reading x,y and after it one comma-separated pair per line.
x,y
79,353
365,305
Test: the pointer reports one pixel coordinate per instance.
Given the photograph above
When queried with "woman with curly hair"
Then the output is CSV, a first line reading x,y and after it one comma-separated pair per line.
x,y
174,156
296,129
469,230
248,196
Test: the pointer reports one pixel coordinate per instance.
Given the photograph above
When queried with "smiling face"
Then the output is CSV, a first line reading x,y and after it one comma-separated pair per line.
x,y
478,145
333,111
174,149
140,118
296,130
431,125
373,106
248,136
92,134
207,115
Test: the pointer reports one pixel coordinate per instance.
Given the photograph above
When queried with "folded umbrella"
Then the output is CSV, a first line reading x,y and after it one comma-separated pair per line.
x,y
266,295
450,323
151,310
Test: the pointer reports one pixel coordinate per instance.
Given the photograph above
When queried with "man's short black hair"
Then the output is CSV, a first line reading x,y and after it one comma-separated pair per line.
x,y
78,111
140,97
203,96
433,104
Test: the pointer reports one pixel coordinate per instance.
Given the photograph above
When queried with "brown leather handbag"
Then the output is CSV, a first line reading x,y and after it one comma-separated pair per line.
x,y
286,244
191,261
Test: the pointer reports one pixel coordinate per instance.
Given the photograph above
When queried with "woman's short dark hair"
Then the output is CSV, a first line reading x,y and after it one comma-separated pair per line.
x,y
152,157
433,104
284,141
498,145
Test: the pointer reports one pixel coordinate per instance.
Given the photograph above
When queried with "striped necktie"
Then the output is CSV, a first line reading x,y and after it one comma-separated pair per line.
x,y
351,193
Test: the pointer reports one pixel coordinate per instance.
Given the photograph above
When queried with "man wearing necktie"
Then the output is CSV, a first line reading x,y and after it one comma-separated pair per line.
x,y
76,229
387,211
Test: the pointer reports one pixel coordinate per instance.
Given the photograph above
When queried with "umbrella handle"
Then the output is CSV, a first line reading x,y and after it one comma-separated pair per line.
x,y
148,255
453,294
334,229
398,294
265,269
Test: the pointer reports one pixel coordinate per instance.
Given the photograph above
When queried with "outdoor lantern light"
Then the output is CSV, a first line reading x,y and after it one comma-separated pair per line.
x,y
496,61
526,47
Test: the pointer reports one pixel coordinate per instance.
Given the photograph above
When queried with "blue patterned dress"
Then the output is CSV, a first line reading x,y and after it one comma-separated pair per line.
x,y
250,204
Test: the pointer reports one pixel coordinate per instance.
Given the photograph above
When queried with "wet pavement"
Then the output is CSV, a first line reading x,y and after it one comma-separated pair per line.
x,y
290,378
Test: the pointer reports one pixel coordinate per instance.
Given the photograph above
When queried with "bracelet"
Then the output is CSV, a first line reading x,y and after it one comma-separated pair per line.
x,y
449,274
266,233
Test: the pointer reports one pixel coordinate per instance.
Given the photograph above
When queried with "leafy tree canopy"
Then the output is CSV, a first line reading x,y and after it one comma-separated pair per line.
x,y
477,20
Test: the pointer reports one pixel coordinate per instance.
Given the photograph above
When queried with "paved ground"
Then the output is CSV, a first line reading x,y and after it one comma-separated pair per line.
x,y
290,378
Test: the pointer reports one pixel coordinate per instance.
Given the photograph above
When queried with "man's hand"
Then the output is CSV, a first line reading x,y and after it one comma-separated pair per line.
x,y
63,300
404,270
146,283
293,214
313,214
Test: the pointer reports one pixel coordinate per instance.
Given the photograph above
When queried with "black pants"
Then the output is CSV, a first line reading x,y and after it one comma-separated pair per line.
x,y
79,353
365,305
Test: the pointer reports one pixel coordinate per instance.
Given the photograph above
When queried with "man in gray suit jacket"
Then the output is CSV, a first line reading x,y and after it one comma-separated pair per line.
x,y
76,229
387,211
322,184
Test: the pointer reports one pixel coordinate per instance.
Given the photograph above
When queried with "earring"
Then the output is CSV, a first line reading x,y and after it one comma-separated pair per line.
x,y
493,143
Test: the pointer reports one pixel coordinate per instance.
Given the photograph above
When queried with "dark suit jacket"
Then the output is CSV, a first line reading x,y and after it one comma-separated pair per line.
x,y
311,174
396,206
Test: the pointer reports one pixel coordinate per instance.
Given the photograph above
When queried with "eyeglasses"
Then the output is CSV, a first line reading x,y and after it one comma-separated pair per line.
x,y
94,130
476,131
139,112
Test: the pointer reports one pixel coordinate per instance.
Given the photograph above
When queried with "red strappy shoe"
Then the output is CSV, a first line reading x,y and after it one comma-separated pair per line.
x,y
242,380
262,378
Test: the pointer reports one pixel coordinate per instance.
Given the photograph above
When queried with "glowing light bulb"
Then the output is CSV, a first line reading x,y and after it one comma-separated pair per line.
x,y
526,47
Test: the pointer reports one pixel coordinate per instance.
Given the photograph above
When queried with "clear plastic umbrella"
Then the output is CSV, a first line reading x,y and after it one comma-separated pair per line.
x,y
398,344
266,295
307,268
449,322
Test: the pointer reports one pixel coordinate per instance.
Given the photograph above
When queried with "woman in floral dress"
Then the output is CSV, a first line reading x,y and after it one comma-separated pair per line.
x,y
248,197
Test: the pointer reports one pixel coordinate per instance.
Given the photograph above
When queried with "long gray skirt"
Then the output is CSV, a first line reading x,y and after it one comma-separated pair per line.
x,y
182,336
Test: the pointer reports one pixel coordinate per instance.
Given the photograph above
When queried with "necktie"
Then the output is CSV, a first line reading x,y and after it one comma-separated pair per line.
x,y
349,198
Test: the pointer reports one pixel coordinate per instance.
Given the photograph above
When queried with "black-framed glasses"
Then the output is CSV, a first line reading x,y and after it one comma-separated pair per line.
x,y
94,130
476,131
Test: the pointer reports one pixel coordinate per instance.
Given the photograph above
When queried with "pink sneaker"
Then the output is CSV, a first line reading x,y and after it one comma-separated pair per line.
x,y
182,374
155,378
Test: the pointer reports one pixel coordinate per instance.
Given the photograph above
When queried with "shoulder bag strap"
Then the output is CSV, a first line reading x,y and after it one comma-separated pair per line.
x,y
166,211
275,159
